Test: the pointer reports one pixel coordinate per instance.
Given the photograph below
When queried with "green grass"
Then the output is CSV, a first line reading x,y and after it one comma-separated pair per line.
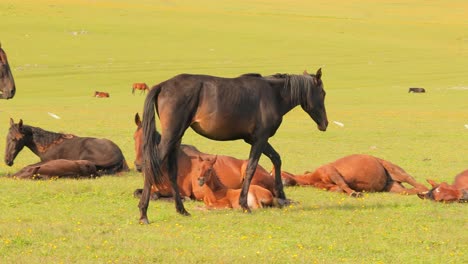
x,y
371,52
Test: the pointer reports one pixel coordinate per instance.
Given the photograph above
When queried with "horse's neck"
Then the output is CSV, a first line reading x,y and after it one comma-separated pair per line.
x,y
281,85
216,187
43,141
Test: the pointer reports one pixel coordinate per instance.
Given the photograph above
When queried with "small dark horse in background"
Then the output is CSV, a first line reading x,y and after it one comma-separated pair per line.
x,y
60,168
105,154
143,87
416,90
248,107
7,83
443,192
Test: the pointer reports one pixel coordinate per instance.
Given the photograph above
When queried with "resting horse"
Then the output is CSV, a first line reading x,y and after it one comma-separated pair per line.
x,y
443,192
219,196
188,163
7,83
51,146
250,108
355,174
60,168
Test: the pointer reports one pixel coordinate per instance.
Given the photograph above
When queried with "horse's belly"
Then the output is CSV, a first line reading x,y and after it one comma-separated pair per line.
x,y
220,129
363,173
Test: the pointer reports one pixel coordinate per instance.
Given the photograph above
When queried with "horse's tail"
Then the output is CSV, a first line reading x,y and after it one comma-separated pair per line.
x,y
151,159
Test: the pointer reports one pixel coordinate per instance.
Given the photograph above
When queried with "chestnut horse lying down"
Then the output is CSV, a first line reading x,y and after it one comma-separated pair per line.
x,y
101,94
58,168
217,195
187,179
457,192
357,173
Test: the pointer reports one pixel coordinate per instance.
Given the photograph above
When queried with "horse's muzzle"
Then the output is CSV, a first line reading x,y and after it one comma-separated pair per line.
x,y
323,126
9,163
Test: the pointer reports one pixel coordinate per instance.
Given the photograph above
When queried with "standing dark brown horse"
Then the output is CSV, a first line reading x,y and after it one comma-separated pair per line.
x,y
7,83
188,164
443,192
247,107
105,154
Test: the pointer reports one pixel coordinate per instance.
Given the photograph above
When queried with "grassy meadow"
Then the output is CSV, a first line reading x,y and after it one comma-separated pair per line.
x,y
371,52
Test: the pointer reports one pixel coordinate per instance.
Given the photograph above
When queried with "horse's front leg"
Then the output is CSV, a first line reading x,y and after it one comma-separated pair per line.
x,y
275,158
255,152
173,171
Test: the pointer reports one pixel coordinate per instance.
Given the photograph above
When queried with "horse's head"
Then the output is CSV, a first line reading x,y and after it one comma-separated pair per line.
x,y
7,83
138,137
314,101
205,169
442,193
15,141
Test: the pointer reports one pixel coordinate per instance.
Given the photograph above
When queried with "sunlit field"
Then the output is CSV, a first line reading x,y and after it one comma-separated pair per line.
x,y
370,53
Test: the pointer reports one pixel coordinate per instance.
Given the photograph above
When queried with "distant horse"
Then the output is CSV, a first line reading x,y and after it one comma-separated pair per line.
x,y
101,94
188,163
140,86
416,90
355,174
7,83
217,195
105,154
246,107
457,192
60,168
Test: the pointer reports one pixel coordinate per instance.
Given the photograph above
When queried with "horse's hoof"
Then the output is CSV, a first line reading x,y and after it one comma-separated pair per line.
x,y
356,194
247,210
144,221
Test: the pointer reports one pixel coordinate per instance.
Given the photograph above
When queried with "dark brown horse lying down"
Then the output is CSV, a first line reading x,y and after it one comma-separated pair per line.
x,y
217,195
188,162
47,145
443,192
60,168
357,173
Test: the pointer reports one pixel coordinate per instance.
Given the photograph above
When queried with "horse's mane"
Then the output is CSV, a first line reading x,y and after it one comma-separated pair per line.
x,y
45,138
214,178
251,75
297,87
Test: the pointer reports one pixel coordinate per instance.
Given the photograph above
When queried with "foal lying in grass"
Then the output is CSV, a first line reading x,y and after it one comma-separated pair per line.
x,y
218,196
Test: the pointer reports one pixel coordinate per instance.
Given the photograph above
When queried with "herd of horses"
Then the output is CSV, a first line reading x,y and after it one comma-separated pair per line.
x,y
249,107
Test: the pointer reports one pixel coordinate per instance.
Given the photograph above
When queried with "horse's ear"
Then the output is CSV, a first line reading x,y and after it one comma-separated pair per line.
x,y
214,160
305,72
137,120
432,183
20,123
318,75
11,122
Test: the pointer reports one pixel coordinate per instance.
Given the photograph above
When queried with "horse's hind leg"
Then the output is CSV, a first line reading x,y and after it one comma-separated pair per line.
x,y
275,158
399,175
172,168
